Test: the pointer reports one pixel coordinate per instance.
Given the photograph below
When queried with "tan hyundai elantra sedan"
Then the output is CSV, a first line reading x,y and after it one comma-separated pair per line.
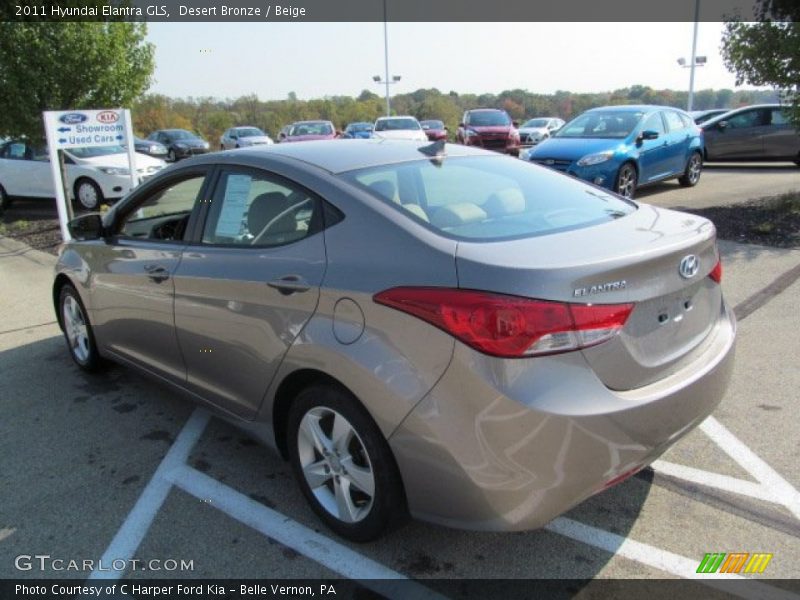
x,y
421,329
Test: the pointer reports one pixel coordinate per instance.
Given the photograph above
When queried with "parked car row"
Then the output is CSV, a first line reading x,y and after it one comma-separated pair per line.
x,y
623,148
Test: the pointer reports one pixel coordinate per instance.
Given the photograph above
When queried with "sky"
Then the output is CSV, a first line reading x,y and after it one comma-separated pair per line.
x,y
313,60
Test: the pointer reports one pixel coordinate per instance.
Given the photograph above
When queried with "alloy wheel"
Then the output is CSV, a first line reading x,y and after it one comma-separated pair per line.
x,y
335,464
75,329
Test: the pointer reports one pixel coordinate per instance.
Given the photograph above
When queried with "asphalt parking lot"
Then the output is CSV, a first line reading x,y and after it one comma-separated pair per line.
x,y
114,466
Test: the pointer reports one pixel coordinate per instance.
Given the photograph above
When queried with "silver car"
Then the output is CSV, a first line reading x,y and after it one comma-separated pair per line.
x,y
423,329
242,137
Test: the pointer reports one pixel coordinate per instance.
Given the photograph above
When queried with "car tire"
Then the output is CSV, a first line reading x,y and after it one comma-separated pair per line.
x,y
171,156
625,184
359,508
5,200
691,174
88,194
78,331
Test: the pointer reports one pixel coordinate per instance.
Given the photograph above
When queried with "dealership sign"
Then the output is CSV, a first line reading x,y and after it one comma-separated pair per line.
x,y
66,129
82,128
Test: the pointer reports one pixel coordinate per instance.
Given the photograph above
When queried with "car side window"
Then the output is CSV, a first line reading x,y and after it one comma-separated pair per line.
x,y
163,215
748,118
673,120
255,208
654,123
778,117
687,120
15,151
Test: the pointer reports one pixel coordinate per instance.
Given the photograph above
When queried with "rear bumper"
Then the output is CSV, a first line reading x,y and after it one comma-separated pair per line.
x,y
510,444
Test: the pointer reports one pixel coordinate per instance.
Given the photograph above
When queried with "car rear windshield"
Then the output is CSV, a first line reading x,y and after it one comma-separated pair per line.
x,y
311,129
496,118
598,124
489,198
396,124
433,124
249,132
536,123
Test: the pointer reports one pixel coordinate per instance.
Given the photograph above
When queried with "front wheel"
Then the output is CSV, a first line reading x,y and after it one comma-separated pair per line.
x,y
691,174
626,181
77,330
88,194
343,464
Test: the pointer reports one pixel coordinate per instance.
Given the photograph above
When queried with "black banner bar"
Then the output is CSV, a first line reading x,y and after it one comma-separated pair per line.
x,y
373,10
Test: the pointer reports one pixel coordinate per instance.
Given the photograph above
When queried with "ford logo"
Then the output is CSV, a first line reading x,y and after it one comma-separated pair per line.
x,y
73,118
689,266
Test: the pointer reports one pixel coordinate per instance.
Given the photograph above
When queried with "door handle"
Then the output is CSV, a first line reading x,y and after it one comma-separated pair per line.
x,y
157,273
289,284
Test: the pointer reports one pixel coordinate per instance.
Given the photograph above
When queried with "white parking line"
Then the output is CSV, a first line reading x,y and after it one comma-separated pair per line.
x,y
138,521
173,470
780,489
715,480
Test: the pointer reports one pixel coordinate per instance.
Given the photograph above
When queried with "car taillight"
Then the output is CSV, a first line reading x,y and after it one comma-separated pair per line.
x,y
509,326
716,272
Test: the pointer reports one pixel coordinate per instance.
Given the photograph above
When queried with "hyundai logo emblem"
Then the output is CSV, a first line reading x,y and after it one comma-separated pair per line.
x,y
689,266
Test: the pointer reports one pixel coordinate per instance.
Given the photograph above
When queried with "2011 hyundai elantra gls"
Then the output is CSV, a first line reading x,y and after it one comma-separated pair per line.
x,y
418,328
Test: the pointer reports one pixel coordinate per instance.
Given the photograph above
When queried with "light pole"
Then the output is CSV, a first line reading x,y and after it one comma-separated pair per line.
x,y
386,80
694,56
697,61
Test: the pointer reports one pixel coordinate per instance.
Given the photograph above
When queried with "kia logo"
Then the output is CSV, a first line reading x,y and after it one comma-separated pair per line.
x,y
73,118
689,266
107,116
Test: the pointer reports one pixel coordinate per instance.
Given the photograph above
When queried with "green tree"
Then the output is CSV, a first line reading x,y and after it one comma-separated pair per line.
x,y
767,52
59,66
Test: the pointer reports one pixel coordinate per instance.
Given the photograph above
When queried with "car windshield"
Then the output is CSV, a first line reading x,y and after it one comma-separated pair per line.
x,y
398,124
356,127
488,118
536,123
311,129
249,132
614,124
489,198
432,125
93,152
180,134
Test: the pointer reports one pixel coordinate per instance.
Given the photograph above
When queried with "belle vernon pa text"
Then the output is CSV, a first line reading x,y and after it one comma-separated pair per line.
x,y
324,590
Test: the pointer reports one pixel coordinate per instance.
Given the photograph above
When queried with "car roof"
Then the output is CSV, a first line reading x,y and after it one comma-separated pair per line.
x,y
335,156
723,116
397,117
485,110
634,107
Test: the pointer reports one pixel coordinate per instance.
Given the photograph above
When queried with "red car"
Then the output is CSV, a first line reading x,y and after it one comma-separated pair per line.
x,y
489,128
306,131
434,129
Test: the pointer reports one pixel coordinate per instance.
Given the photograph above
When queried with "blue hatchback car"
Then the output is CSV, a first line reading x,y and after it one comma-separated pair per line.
x,y
358,131
625,147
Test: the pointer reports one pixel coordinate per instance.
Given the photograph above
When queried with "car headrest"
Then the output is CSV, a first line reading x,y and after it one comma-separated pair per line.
x,y
384,188
417,210
505,202
263,209
461,213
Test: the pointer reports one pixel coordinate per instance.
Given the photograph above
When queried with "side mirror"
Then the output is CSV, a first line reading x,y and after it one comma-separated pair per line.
x,y
86,227
648,134
515,123
461,125
338,133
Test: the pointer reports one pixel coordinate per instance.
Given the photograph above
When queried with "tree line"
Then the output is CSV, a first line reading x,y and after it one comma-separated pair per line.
x,y
210,117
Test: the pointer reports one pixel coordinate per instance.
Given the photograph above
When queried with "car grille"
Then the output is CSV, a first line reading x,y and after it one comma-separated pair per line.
x,y
494,143
554,163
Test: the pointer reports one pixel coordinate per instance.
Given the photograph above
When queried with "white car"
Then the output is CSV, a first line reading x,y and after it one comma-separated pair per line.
x,y
399,128
94,175
242,137
534,131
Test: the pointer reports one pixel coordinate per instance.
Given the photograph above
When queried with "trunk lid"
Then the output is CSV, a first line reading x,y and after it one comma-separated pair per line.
x,y
635,259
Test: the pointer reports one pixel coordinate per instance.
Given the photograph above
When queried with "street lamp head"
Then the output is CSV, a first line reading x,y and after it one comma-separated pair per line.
x,y
681,61
376,78
700,60
395,77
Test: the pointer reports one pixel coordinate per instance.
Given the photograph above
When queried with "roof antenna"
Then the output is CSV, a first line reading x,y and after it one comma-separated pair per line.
x,y
435,150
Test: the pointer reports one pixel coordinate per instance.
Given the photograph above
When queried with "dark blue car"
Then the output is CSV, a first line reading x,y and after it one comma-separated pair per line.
x,y
625,147
358,131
